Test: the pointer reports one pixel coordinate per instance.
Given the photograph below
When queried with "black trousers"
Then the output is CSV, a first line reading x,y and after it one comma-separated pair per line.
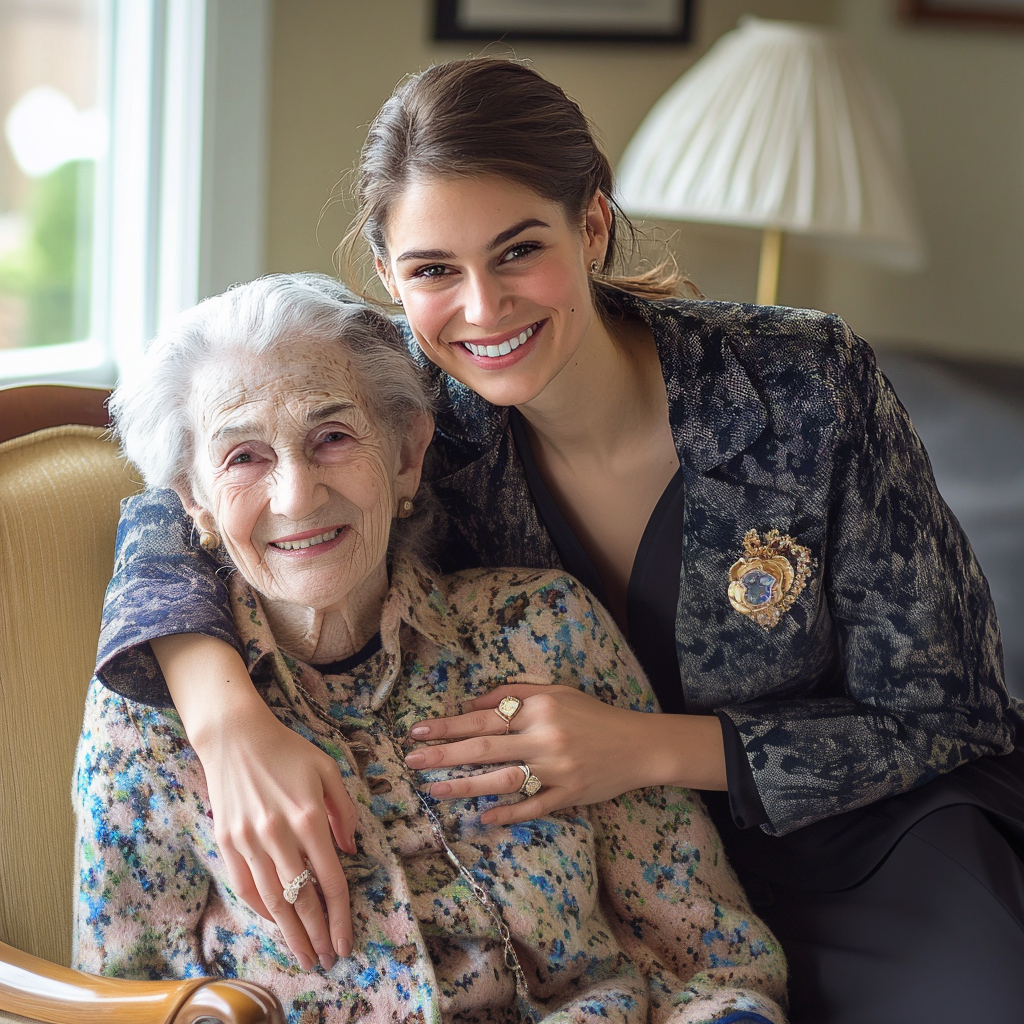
x,y
935,935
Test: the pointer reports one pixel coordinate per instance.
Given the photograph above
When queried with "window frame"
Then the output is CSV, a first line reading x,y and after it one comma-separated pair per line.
x,y
179,207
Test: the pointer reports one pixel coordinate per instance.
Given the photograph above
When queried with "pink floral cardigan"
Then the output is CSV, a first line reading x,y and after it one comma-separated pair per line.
x,y
623,911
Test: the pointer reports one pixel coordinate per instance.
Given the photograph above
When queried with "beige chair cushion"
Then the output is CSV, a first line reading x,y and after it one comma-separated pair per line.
x,y
59,494
14,1018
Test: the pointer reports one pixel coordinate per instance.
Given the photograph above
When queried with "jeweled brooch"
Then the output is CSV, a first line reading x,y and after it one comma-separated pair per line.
x,y
769,577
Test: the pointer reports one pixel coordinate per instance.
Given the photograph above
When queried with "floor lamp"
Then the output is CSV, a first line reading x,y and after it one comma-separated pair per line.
x,y
779,126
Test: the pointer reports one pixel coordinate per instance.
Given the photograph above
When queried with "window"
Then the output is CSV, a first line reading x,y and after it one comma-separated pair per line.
x,y
131,172
55,134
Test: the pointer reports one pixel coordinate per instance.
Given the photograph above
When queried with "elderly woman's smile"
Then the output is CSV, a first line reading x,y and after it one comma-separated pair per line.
x,y
301,485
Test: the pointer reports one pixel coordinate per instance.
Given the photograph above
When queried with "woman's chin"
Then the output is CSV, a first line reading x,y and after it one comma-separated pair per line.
x,y
322,585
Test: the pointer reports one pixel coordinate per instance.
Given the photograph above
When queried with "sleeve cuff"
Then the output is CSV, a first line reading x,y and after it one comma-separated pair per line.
x,y
745,804
161,586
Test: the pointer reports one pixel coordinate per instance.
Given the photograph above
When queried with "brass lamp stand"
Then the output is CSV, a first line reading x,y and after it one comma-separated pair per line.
x,y
768,267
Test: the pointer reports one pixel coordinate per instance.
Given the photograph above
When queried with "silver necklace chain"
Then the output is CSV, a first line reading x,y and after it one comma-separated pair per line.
x,y
486,900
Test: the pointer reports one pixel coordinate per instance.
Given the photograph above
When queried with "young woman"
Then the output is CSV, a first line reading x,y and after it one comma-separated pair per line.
x,y
743,492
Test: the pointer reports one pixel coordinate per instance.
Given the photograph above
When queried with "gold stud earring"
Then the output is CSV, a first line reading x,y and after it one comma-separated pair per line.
x,y
208,540
405,508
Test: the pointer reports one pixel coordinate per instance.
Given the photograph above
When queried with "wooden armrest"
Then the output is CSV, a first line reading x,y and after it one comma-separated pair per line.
x,y
57,995
32,407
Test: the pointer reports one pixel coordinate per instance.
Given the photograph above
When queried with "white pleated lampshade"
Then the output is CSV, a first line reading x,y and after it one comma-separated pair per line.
x,y
779,125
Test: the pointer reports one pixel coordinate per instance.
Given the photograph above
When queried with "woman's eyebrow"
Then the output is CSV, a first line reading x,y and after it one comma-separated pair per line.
x,y
250,428
325,412
500,239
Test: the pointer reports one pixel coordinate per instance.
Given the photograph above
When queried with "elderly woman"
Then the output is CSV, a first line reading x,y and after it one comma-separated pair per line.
x,y
293,426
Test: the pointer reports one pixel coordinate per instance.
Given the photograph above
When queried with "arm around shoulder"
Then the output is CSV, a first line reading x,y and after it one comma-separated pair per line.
x,y
163,584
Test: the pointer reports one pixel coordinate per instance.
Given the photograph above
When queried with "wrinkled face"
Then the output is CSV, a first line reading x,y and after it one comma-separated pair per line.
x,y
299,482
494,281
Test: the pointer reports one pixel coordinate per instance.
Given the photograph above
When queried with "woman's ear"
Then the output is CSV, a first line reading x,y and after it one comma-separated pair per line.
x,y
189,503
597,228
410,457
384,273
201,516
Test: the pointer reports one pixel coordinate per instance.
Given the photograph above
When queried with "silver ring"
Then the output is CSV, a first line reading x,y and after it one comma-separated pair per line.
x,y
507,709
291,890
531,784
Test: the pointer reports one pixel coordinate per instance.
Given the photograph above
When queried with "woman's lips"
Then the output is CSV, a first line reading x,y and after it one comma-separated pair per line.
x,y
505,347
309,539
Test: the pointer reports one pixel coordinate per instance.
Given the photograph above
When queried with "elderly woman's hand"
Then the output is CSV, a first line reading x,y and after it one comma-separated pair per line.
x,y
582,750
277,799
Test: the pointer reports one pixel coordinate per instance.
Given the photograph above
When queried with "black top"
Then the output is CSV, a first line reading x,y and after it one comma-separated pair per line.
x,y
345,665
651,599
830,854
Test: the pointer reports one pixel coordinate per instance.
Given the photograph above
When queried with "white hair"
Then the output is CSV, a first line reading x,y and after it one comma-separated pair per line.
x,y
154,419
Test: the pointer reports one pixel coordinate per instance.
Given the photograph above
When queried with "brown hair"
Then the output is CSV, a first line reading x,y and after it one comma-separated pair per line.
x,y
492,116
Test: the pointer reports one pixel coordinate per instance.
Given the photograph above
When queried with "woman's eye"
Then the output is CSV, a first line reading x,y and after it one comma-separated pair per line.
x,y
433,270
518,251
333,439
240,459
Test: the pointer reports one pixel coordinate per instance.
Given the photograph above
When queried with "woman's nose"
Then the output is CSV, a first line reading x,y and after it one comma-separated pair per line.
x,y
297,490
486,300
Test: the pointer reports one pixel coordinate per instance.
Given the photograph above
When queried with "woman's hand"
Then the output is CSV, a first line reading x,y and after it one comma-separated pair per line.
x,y
278,801
582,750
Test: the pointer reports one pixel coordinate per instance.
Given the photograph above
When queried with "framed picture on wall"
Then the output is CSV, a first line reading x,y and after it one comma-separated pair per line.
x,y
623,21
979,12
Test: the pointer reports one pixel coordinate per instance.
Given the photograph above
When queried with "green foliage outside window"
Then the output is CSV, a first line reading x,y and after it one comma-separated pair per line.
x,y
51,270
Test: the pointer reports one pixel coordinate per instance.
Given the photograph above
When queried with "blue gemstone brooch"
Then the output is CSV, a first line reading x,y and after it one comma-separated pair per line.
x,y
769,577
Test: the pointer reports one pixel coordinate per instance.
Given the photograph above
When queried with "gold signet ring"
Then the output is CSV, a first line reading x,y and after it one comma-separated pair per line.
x,y
507,709
531,784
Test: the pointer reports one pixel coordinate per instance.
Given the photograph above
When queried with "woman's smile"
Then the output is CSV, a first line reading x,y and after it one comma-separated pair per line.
x,y
492,351
310,543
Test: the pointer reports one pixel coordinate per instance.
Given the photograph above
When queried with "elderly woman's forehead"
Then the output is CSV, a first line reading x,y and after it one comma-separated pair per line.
x,y
284,377
298,368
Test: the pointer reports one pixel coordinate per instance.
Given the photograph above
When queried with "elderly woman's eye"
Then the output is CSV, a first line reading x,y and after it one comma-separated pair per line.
x,y
242,459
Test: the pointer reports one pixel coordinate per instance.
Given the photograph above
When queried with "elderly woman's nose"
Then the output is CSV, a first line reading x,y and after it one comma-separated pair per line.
x,y
297,489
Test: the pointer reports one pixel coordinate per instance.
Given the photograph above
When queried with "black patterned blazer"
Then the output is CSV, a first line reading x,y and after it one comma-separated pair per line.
x,y
884,673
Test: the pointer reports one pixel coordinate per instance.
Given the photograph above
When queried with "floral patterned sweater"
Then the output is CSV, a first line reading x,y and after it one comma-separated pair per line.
x,y
622,911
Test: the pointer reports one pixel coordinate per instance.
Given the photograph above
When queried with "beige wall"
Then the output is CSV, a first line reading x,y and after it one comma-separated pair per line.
x,y
335,61
960,92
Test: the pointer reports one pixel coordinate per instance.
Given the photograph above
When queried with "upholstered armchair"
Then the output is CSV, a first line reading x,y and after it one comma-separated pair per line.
x,y
60,487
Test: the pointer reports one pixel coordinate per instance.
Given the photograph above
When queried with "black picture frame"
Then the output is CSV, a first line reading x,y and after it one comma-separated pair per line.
x,y
992,13
451,21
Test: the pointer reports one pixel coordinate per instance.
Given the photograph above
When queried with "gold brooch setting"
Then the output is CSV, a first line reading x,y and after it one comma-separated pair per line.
x,y
770,576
